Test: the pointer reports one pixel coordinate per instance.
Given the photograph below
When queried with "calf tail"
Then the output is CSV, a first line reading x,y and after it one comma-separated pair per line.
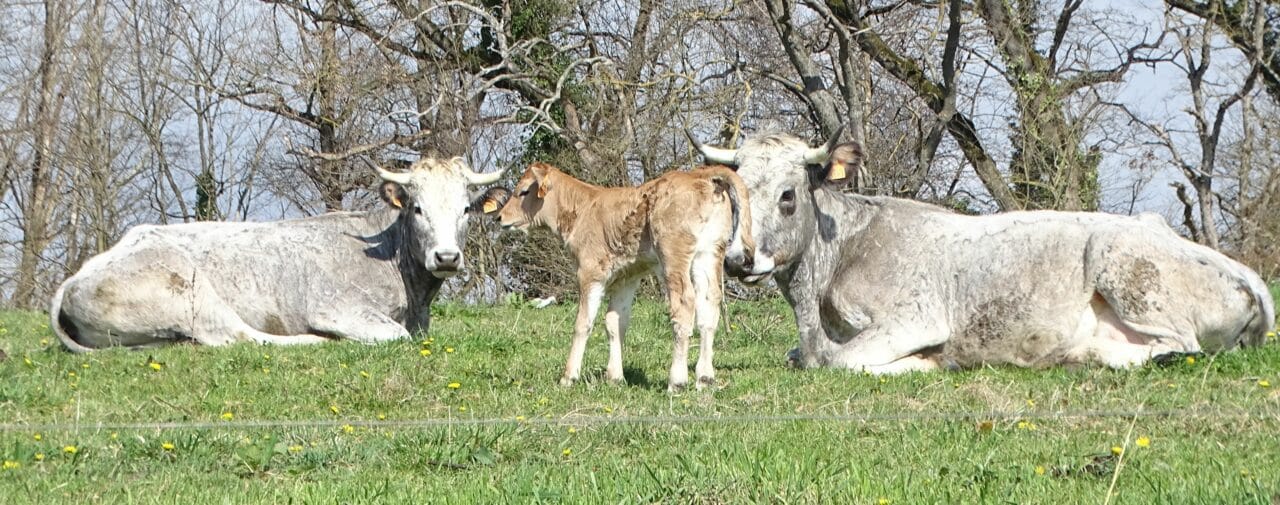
x,y
740,238
62,326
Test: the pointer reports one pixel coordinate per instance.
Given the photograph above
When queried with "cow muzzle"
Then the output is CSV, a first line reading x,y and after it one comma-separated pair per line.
x,y
445,262
749,268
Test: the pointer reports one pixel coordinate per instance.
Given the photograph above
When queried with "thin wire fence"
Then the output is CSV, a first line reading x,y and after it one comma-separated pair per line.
x,y
1210,416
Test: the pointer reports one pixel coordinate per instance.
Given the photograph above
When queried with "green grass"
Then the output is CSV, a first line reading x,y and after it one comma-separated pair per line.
x,y
506,361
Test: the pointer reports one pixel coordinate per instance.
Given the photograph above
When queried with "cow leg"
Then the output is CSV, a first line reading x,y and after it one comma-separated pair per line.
x,y
621,295
366,327
591,291
1120,354
904,365
879,350
680,296
707,285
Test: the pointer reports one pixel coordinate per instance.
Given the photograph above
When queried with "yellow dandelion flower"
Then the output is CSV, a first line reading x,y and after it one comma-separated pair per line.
x,y
520,418
155,366
567,451
227,416
572,430
71,374
266,356
1191,360
883,380
27,361
1143,442
1031,403
1117,450
11,465
1271,334
347,428
39,456
38,437
266,370
364,374
44,341
608,410
70,449
448,349
1173,385
168,446
382,417
1022,425
454,385
882,501
334,409
543,401
295,448
425,352
114,435
342,365
1244,472
1039,470
462,408
84,366
1263,383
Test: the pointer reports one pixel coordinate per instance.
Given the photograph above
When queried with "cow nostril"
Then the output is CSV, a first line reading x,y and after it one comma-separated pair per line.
x,y
447,258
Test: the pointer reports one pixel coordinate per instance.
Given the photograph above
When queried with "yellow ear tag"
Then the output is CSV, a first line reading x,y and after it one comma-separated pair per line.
x,y
490,206
837,171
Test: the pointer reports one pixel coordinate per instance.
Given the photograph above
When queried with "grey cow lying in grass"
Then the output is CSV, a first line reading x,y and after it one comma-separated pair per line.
x,y
888,285
367,276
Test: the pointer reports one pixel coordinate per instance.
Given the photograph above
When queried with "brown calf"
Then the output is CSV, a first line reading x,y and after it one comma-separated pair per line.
x,y
678,225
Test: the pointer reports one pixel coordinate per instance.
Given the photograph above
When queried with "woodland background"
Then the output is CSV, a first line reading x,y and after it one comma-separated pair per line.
x,y
117,113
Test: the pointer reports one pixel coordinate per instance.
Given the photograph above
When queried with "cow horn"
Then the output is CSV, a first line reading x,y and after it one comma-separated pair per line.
x,y
819,155
474,178
713,154
394,177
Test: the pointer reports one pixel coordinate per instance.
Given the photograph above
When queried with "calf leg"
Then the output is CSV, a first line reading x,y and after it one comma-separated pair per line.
x,y
707,287
621,295
681,298
590,291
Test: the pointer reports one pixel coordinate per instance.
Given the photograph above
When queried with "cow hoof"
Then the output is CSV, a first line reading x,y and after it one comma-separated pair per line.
x,y
706,382
567,381
677,387
793,358
617,381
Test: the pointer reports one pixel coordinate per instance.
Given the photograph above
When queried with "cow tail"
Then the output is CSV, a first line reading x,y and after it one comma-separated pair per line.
x,y
740,238
61,330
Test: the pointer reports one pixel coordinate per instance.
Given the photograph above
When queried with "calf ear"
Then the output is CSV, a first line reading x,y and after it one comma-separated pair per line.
x,y
491,200
393,194
540,172
845,158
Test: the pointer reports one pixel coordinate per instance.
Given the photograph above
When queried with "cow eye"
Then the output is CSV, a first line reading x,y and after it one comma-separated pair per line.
x,y
787,202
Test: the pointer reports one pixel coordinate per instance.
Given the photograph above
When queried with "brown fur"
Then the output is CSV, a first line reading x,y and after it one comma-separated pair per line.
x,y
617,235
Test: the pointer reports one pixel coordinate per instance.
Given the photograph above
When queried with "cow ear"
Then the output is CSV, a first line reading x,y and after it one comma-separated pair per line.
x,y
491,200
393,194
845,160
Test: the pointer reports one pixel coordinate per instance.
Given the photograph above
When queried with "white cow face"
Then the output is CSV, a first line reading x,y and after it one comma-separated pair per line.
x,y
781,173
435,203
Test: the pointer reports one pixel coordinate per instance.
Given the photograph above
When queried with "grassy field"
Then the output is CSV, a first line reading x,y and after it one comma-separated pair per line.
x,y
994,435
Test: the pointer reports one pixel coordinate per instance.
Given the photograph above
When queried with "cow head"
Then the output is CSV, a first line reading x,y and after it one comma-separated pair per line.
x,y
528,205
781,173
435,203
